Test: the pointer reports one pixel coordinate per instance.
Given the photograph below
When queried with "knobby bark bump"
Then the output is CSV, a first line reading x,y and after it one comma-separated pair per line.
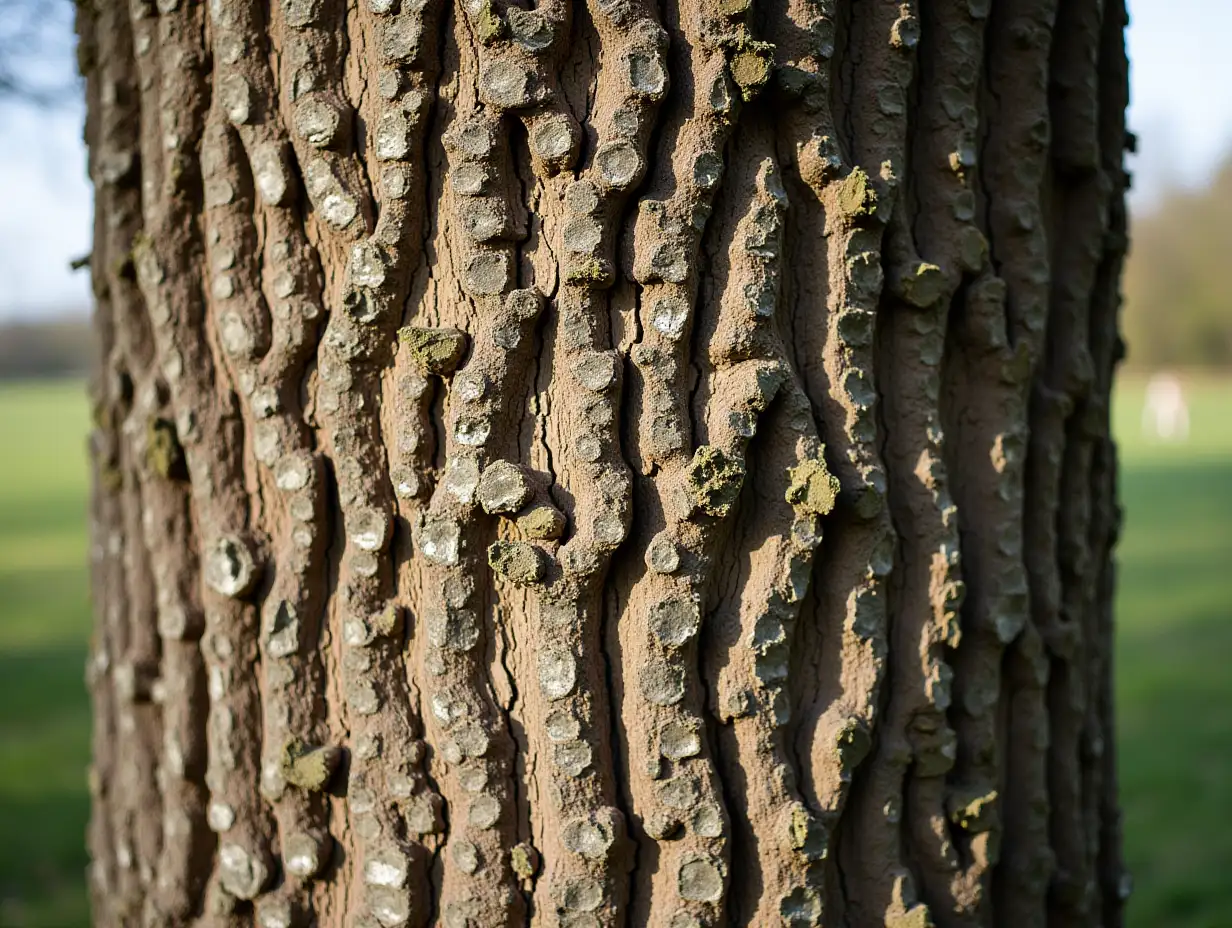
x,y
605,463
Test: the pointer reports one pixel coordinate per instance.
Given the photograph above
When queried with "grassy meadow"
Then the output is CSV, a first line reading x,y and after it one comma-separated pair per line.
x,y
1174,686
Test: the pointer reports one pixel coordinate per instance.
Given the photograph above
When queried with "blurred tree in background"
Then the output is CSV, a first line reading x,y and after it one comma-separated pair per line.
x,y
1178,280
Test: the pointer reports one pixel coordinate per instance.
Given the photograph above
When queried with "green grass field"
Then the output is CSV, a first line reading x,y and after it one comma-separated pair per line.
x,y
44,629
1174,685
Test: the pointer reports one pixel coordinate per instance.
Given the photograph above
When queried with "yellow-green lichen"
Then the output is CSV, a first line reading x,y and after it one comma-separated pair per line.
x,y
808,835
852,743
917,917
435,351
542,523
110,478
163,450
488,24
310,768
813,488
386,624
524,860
714,479
801,822
857,199
589,271
515,561
103,415
751,66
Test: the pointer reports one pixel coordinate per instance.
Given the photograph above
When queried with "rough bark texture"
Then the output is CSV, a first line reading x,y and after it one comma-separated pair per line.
x,y
605,463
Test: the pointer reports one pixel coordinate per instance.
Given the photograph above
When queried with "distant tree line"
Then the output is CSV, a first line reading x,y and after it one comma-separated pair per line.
x,y
1178,280
53,348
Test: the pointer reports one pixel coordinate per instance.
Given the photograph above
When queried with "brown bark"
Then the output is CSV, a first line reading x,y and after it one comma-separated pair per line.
x,y
605,463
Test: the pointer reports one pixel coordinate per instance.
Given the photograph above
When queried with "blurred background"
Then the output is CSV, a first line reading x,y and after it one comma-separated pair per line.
x,y
1173,417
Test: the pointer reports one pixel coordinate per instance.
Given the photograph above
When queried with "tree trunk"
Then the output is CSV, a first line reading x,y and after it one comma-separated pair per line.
x,y
603,464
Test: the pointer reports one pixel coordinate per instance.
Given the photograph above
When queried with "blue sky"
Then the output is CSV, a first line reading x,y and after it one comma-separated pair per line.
x,y
1181,110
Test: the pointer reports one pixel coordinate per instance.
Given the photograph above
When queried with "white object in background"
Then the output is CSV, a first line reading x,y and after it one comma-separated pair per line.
x,y
1165,414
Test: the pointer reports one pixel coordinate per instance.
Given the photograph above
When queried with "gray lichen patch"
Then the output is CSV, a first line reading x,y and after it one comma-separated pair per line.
x,y
662,826
503,488
484,811
434,351
596,371
386,866
561,725
662,555
714,480
591,837
708,820
508,84
699,880
662,684
557,673
273,911
584,895
242,873
573,757
317,120
619,165
465,855
813,488
680,792
390,905
922,286
369,529
674,621
679,740
310,768
487,274
529,29
439,540
303,854
801,906
452,629
485,218
230,566
554,140
516,561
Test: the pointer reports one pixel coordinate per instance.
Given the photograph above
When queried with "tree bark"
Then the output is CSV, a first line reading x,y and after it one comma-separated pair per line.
x,y
605,463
